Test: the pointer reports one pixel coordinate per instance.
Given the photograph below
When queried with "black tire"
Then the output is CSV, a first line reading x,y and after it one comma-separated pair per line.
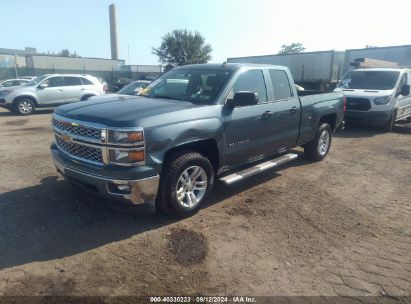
x,y
389,125
23,106
312,150
85,97
173,169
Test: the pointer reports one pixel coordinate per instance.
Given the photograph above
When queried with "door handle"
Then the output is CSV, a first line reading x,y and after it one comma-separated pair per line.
x,y
293,110
267,114
59,90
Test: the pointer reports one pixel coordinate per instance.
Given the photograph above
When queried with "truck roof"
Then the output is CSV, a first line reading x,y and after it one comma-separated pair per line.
x,y
228,66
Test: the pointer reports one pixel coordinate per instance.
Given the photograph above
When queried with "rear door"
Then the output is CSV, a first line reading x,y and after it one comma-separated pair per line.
x,y
286,119
248,129
73,88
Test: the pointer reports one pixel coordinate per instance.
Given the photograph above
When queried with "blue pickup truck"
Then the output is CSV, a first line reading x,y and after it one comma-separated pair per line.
x,y
192,126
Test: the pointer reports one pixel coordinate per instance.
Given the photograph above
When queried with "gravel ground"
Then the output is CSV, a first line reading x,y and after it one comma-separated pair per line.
x,y
338,227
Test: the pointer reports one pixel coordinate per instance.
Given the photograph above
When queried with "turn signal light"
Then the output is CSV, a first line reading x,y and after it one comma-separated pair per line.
x,y
136,156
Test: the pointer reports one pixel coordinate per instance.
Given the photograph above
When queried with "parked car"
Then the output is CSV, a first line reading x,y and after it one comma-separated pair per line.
x,y
49,91
27,77
134,88
378,97
13,82
193,125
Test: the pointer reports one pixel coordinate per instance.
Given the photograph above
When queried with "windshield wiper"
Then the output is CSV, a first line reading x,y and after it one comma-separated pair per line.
x,y
164,96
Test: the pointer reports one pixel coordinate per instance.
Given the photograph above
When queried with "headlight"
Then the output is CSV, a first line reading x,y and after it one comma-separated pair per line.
x,y
125,137
382,100
6,92
122,156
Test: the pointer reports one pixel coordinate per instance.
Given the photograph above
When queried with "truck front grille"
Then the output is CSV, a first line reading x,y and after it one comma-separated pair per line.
x,y
80,151
358,104
78,130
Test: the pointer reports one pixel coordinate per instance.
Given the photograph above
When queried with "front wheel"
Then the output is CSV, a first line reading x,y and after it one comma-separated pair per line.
x,y
319,147
24,106
389,125
186,183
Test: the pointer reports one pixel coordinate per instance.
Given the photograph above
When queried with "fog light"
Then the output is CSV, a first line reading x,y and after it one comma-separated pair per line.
x,y
119,188
123,188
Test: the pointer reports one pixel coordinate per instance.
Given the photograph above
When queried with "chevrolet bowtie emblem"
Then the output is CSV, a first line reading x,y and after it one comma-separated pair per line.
x,y
66,138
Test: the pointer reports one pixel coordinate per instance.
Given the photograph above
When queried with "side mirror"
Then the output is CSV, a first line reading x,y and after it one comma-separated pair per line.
x,y
242,99
43,85
405,90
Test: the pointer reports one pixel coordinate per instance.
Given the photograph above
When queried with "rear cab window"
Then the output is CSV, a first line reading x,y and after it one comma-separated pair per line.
x,y
281,85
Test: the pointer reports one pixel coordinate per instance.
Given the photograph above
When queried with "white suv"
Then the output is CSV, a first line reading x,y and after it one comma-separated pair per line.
x,y
49,91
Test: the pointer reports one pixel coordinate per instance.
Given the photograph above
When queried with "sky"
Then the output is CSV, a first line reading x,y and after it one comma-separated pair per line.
x,y
234,28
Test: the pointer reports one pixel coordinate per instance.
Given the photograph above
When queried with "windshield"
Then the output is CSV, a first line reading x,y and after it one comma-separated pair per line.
x,y
370,80
131,88
35,81
194,85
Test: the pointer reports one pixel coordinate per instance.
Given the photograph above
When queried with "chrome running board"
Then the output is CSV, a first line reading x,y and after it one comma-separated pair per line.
x,y
240,175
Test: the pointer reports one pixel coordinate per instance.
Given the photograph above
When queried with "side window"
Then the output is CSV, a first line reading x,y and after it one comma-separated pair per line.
x,y
281,84
8,84
402,82
72,81
85,81
55,82
252,81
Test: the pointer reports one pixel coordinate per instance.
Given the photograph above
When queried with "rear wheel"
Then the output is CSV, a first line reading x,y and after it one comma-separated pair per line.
x,y
185,184
319,147
24,106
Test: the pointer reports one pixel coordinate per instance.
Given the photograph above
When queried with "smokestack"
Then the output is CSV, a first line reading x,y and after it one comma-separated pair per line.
x,y
113,31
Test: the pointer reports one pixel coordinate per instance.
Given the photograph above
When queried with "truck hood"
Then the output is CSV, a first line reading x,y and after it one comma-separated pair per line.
x,y
123,110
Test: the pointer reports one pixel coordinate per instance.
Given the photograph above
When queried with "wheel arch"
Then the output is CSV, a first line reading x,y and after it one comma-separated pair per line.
x,y
331,119
87,96
206,147
30,97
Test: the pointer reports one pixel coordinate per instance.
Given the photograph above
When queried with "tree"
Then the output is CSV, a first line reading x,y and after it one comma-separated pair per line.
x,y
66,53
295,47
181,47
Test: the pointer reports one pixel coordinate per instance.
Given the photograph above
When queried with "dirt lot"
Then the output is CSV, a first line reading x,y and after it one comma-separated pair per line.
x,y
339,227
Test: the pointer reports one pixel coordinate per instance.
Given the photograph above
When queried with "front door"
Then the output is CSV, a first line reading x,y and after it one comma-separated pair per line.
x,y
404,102
248,129
54,92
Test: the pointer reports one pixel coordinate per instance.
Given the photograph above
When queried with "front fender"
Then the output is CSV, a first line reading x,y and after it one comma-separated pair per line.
x,y
13,97
161,139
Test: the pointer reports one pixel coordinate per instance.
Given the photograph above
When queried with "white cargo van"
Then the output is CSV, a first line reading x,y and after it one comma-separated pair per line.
x,y
377,96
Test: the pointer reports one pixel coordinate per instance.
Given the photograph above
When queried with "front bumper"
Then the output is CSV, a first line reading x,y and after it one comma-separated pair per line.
x,y
135,191
374,118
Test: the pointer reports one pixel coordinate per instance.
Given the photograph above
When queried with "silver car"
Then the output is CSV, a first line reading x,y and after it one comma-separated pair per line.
x,y
13,82
49,91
